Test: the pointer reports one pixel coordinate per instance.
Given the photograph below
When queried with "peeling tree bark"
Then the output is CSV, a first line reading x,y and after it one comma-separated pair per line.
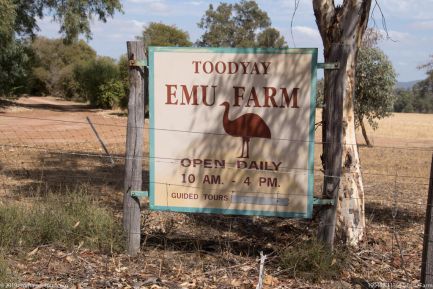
x,y
343,25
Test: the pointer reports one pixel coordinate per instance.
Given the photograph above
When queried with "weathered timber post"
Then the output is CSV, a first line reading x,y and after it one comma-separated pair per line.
x,y
332,133
427,253
134,147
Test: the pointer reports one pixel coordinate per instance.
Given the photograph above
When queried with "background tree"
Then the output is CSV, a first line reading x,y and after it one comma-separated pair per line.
x,y
374,91
15,67
423,94
248,19
72,15
96,78
404,100
123,66
242,24
7,21
271,37
15,55
341,28
54,64
418,99
423,90
218,25
75,71
18,22
159,34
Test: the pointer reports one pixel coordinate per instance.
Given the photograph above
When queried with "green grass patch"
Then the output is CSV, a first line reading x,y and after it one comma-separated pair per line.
x,y
67,220
313,261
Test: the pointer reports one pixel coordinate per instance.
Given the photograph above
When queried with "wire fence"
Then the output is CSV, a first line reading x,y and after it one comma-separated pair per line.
x,y
39,155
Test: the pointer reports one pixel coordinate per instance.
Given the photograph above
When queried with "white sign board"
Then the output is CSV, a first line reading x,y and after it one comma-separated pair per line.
x,y
232,130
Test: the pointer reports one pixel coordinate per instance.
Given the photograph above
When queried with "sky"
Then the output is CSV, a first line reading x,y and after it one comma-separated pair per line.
x,y
409,24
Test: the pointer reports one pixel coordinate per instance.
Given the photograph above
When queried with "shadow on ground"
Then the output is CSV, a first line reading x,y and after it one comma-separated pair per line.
x,y
389,216
29,173
75,107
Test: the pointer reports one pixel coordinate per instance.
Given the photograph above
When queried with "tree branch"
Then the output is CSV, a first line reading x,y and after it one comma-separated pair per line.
x,y
359,10
352,15
324,10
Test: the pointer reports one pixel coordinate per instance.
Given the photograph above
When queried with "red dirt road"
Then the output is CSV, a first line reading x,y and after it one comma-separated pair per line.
x,y
48,121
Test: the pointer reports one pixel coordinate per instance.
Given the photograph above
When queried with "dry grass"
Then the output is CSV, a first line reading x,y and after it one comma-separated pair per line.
x,y
312,260
404,129
67,220
399,130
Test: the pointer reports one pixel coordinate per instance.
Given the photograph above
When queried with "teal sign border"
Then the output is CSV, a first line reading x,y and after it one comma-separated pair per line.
x,y
312,51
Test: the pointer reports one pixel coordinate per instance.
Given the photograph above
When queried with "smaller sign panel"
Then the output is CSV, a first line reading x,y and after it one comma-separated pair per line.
x,y
232,130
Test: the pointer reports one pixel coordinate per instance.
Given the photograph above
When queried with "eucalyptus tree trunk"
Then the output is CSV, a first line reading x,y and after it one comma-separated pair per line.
x,y
364,132
341,28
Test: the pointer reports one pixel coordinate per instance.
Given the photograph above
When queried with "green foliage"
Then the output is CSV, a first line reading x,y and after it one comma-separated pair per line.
x,y
123,65
218,25
65,220
7,21
159,34
111,94
92,75
15,65
271,37
374,90
248,18
404,101
74,71
242,24
420,97
72,15
53,69
313,261
423,94
18,18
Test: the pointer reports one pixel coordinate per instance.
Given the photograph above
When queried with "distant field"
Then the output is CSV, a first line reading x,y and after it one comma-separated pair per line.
x,y
400,129
404,129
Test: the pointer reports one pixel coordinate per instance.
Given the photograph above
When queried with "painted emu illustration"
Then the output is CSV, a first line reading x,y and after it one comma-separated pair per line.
x,y
246,126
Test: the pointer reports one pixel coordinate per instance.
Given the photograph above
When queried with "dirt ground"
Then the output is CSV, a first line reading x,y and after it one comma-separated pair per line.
x,y
46,143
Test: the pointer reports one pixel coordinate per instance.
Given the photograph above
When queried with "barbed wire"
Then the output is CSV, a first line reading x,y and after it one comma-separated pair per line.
x,y
211,133
293,171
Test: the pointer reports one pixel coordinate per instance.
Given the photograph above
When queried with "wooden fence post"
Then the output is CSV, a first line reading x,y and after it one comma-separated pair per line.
x,y
134,147
427,253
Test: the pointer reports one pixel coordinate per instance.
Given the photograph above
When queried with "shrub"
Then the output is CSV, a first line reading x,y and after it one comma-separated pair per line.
x,y
68,87
123,65
111,94
313,261
53,66
15,64
92,74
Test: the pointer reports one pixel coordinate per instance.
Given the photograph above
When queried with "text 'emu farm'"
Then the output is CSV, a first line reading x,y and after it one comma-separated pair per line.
x,y
232,130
